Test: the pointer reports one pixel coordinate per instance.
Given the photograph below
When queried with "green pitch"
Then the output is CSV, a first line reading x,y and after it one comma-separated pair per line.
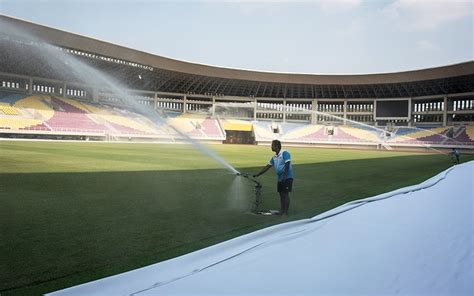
x,y
75,212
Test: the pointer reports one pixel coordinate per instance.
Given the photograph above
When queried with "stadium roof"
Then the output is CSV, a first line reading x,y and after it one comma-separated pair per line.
x,y
141,70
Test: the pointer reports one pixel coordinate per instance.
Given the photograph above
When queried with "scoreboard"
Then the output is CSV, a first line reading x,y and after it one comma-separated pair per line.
x,y
392,109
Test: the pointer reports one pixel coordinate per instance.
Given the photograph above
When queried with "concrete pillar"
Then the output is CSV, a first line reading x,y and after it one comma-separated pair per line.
x,y
284,110
314,109
255,110
374,112
410,116
345,112
213,106
95,95
445,111
30,86
184,103
64,89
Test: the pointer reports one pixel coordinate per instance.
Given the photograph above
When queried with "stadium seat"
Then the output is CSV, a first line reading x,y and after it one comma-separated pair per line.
x,y
8,110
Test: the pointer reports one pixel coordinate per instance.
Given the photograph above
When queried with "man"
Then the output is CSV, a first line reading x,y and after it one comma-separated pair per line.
x,y
284,170
455,155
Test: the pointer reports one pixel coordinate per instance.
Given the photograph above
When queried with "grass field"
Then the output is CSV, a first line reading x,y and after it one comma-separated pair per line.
x,y
74,212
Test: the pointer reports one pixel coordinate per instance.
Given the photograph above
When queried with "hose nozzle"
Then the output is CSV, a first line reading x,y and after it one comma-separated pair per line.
x,y
243,175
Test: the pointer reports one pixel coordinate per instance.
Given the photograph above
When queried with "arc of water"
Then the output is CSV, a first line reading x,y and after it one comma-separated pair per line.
x,y
60,61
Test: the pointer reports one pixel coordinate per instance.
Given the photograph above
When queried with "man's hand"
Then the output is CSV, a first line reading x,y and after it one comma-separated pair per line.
x,y
262,171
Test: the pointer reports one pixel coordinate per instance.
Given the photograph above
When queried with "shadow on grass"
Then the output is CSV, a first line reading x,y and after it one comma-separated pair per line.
x,y
63,229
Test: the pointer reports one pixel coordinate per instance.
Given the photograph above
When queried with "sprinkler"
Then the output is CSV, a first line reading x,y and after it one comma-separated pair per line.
x,y
258,193
242,174
258,196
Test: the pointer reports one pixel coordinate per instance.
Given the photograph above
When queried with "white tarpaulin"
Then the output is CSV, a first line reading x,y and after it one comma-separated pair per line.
x,y
415,240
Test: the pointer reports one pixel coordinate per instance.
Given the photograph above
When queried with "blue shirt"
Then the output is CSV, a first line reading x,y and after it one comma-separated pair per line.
x,y
278,162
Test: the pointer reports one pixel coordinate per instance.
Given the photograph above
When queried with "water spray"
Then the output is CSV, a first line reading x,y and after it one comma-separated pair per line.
x,y
258,195
61,61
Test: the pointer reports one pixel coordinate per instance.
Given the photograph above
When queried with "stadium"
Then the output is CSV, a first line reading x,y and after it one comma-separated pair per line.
x,y
114,159
418,108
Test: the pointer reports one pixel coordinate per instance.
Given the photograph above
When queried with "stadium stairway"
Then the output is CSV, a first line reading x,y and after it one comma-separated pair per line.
x,y
416,136
318,134
465,136
197,126
119,121
70,118
363,135
263,132
302,133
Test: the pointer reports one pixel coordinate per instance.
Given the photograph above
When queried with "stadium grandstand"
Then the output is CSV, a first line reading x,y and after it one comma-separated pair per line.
x,y
43,100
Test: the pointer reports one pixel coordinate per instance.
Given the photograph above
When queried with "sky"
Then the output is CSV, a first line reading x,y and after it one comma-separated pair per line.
x,y
319,37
